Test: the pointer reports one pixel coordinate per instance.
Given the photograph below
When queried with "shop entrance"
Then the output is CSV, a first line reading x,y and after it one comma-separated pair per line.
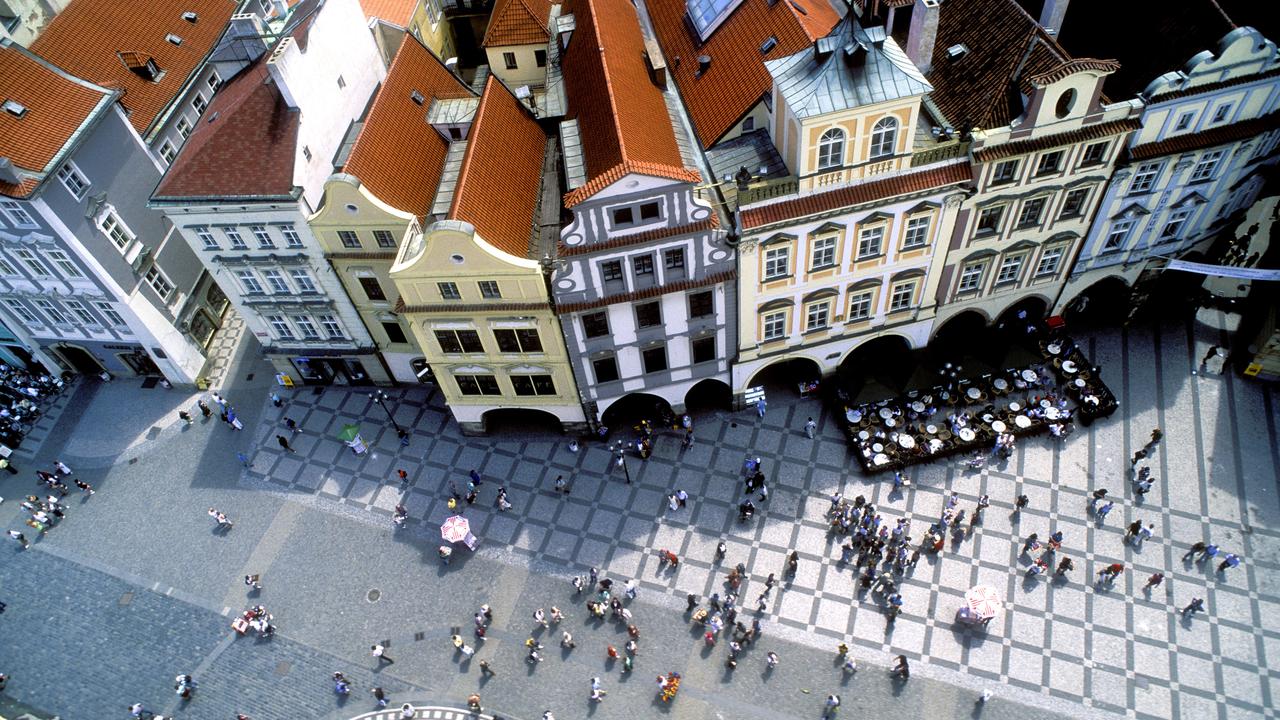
x,y
331,371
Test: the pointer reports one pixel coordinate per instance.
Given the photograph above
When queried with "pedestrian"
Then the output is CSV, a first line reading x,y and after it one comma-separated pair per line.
x,y
810,427
1102,511
473,703
380,696
771,659
276,400
687,442
1154,580
244,459
20,538
1132,531
540,617
682,497
475,476
284,443
486,670
901,669
1196,548
1196,605
1021,502
1145,533
233,420
833,702
292,425
182,415
60,468
1231,560
403,475
204,408
573,446
1139,455
1032,543
252,582
566,640
1156,436
561,485
1209,552
408,712
761,406
631,589
85,487
380,652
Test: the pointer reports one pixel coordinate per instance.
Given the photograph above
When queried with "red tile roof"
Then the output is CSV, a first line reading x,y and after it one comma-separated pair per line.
x,y
518,22
737,78
397,155
622,116
57,106
1209,138
396,12
501,178
89,38
859,194
243,147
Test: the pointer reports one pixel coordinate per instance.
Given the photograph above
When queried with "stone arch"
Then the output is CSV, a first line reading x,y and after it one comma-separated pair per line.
x,y
708,394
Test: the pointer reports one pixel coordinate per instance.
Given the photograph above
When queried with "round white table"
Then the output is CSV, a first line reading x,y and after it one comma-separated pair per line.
x,y
917,406
886,413
1068,366
1001,384
966,434
853,416
1052,413
998,426
1022,421
880,459
906,441
1054,348
931,429
1029,375
1015,406
877,447
863,435
1080,382
973,393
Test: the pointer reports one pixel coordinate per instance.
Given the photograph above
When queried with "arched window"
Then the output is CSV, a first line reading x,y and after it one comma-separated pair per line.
x,y
831,149
884,137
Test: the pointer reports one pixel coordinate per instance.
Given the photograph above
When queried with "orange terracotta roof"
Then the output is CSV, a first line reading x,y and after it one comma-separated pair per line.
x,y
621,114
737,78
501,177
396,12
57,104
397,155
859,194
1072,67
243,147
518,22
90,36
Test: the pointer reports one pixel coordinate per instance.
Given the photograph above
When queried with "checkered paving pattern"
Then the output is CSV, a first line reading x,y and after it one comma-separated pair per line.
x,y
425,713
1115,648
222,348
50,411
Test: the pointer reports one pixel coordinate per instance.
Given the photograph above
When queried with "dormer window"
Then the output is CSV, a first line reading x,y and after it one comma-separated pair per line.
x,y
884,137
15,108
768,45
416,97
190,17
831,149
173,39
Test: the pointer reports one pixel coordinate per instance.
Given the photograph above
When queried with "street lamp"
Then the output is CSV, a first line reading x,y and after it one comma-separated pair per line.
x,y
622,460
380,397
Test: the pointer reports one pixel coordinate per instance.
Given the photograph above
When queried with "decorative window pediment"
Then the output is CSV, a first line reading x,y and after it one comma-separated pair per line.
x,y
772,305
778,238
907,275
822,294
1131,212
828,227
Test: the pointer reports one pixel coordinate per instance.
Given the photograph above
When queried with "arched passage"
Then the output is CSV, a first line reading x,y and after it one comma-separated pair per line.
x,y
1104,303
878,368
708,395
77,357
629,410
786,375
1027,311
521,422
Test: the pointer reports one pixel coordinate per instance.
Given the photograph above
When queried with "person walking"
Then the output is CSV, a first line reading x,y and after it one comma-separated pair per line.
x,y
1196,605
1196,548
771,659
1154,581
284,443
20,538
1102,511
182,415
408,712
1231,560
244,459
380,695
810,428
566,640
761,406
380,652
204,409
61,468
84,487
486,670
833,702
901,668
561,485
1210,551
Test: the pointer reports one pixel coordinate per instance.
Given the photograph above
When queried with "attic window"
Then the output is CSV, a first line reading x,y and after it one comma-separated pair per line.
x,y
416,97
15,108
306,153
190,17
173,39
957,51
768,45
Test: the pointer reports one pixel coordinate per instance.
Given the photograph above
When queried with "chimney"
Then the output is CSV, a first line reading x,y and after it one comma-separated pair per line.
x,y
653,61
923,33
704,62
1052,15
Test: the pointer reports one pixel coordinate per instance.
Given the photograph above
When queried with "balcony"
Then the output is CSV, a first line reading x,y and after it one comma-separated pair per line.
x,y
940,153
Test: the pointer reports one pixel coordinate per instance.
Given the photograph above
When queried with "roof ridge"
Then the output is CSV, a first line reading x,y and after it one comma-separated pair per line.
x,y
473,133
542,22
608,82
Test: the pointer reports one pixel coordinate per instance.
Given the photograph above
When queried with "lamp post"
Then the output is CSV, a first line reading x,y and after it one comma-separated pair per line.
x,y
622,460
380,397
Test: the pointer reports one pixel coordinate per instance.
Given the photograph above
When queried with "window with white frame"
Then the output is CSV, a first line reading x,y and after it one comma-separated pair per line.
x,y
114,228
199,103
1010,269
989,220
860,305
16,214
917,234
489,289
777,262
1144,178
275,281
23,313
73,180
78,309
1004,172
213,81
1220,114
1049,163
331,326
384,238
349,239
280,326
1173,226
110,314
206,238
262,236
1032,210
168,152
902,296
817,315
184,127
6,268
306,327
1050,259
1184,121
237,242
971,277
449,290
1118,235
870,242
249,282
51,311
824,252
303,280
884,137
1207,165
63,263
775,325
291,237
831,149
158,282
1073,203
28,258
1093,154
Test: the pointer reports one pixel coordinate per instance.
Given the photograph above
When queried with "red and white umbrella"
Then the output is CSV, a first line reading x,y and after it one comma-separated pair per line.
x,y
983,601
455,529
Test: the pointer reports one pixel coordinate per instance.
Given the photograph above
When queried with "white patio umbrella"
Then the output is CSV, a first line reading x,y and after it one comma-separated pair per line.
x,y
983,601
455,529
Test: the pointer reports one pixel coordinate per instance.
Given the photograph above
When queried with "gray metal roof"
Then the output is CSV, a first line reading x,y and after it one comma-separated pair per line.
x,y
551,102
575,164
452,111
449,178
851,67
753,150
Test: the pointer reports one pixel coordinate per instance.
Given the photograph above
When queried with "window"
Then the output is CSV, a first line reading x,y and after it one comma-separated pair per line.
x,y
824,253
1184,121
261,235
860,305
1205,168
158,282
817,316
648,314
384,238
207,240
704,349
306,152
989,219
884,137
1093,154
1009,269
349,239
540,57
1144,178
1049,261
331,326
702,304
307,327
775,326
477,384
459,341
303,280
595,324
1118,235
115,230
280,327
395,333
63,263
533,385
1073,203
523,340
623,216
184,126
36,267
342,82
16,214
1031,212
372,289
1221,113
78,309
777,263
6,268
73,181
49,309
971,277
449,290
655,359
275,281
1049,163
22,312
749,124
831,149
199,103
870,242
650,211
214,81
611,270
249,282
673,259
110,313
291,237
605,368
770,43
509,58
917,232
237,242
1005,172
489,289
642,264
168,152
1173,226
903,294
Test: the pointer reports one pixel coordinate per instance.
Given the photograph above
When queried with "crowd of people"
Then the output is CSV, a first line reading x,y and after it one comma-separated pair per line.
x,y
21,394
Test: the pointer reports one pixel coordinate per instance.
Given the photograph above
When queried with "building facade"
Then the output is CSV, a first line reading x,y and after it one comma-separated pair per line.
x,y
515,42
22,20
